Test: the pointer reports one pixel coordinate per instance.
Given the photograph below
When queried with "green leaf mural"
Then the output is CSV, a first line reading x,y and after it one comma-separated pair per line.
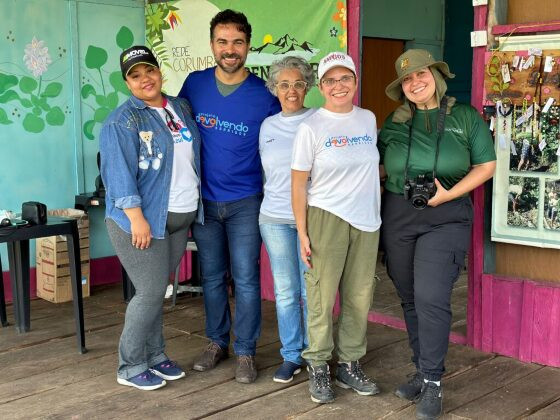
x,y
88,129
87,90
125,38
52,90
105,101
55,116
7,81
100,114
29,92
8,96
4,118
27,84
118,83
33,123
95,57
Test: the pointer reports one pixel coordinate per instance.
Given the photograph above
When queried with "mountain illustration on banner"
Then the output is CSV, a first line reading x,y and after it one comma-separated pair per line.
x,y
275,50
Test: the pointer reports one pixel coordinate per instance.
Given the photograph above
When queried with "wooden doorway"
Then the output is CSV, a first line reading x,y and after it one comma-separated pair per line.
x,y
378,70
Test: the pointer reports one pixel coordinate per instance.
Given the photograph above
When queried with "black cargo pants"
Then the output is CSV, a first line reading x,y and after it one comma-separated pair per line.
x,y
425,252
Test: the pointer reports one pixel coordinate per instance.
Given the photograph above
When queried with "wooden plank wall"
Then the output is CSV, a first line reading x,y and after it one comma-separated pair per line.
x,y
526,11
521,319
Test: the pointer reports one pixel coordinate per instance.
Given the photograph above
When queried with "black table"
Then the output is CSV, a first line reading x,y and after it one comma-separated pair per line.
x,y
86,200
18,256
83,202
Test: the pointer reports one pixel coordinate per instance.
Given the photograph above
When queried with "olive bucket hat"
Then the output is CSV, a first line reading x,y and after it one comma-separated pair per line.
x,y
409,62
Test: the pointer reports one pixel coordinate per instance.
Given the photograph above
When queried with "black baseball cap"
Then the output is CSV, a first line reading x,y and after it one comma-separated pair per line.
x,y
139,54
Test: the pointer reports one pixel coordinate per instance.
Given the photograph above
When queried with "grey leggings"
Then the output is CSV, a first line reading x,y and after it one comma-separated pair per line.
x,y
141,344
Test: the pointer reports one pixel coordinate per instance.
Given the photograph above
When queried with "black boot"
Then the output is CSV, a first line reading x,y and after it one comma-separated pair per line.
x,y
430,402
411,390
320,384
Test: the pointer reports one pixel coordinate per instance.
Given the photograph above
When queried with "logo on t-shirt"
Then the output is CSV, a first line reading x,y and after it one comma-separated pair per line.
x,y
454,130
343,141
186,134
212,121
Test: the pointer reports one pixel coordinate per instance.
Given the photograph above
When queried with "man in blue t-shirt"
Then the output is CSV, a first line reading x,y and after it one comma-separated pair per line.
x,y
229,105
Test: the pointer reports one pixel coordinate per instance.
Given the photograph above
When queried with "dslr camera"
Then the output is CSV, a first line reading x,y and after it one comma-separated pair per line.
x,y
419,191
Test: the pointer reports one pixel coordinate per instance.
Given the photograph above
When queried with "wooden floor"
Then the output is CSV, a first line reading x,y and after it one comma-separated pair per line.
x,y
43,376
387,303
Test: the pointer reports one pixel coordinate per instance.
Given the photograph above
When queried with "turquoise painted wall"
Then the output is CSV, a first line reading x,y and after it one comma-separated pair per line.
x,y
419,22
58,60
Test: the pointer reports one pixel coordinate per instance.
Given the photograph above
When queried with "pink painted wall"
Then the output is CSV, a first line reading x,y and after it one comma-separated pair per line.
x,y
521,319
514,317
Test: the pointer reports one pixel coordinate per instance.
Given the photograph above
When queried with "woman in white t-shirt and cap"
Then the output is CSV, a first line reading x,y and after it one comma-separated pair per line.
x,y
289,79
338,222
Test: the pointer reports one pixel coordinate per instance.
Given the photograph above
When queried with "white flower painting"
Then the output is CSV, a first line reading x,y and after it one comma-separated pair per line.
x,y
36,57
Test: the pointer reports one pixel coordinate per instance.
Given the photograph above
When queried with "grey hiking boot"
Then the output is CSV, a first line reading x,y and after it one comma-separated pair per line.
x,y
246,369
411,390
430,403
210,357
320,384
351,376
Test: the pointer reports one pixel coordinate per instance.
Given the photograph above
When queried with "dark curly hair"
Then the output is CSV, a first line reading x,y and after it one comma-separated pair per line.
x,y
229,16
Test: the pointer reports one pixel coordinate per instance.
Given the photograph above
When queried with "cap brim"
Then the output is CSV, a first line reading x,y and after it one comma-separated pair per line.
x,y
353,70
394,90
140,62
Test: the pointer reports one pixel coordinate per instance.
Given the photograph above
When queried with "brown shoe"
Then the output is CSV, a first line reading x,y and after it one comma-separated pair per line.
x,y
210,357
246,369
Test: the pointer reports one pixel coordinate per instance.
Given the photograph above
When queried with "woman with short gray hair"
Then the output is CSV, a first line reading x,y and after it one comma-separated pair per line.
x,y
289,79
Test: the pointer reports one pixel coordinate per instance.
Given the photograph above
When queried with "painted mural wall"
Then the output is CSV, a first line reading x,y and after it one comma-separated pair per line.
x,y
59,79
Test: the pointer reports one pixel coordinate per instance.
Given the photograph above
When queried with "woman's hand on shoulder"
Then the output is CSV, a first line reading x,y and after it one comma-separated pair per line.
x,y
441,196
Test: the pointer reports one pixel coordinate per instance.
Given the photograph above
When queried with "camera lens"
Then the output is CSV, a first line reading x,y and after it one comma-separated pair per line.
x,y
419,202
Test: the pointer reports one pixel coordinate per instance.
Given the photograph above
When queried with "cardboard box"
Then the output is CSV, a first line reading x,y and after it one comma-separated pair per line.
x,y
52,261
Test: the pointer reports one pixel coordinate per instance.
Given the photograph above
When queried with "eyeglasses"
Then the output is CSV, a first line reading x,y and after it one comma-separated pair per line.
x,y
345,80
173,126
286,86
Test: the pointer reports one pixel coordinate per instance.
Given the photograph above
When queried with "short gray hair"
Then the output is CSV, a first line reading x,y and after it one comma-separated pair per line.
x,y
290,62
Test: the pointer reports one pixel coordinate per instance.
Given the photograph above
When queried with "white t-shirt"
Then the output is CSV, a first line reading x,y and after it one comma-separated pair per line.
x,y
183,192
341,153
276,141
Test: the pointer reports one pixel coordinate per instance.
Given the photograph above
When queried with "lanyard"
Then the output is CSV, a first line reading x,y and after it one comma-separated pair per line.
x,y
440,127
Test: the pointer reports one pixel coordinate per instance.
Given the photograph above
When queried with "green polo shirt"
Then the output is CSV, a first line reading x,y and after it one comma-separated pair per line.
x,y
466,141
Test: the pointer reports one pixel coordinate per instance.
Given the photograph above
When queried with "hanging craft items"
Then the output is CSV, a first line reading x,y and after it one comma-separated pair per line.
x,y
503,134
515,75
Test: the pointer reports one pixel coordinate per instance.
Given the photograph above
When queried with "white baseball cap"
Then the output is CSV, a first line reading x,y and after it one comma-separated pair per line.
x,y
335,59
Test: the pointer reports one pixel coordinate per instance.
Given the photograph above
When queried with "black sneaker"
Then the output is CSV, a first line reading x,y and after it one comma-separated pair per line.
x,y
320,384
285,373
351,376
429,404
411,390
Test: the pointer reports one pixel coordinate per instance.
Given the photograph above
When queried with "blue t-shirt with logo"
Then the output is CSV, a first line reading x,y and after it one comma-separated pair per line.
x,y
229,126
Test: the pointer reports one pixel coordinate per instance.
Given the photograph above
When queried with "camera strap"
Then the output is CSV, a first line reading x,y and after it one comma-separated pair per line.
x,y
440,128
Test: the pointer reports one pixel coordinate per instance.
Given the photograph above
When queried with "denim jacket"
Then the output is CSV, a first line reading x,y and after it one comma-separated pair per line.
x,y
137,161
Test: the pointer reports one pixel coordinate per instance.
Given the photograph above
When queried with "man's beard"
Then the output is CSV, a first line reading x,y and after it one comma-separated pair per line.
x,y
229,69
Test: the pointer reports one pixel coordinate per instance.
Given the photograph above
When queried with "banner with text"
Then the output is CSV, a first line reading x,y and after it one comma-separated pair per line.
x,y
179,34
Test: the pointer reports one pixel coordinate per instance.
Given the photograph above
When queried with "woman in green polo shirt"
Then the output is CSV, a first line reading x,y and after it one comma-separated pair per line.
x,y
434,151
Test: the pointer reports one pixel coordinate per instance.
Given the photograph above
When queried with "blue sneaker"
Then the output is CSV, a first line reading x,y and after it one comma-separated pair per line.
x,y
145,381
167,370
286,372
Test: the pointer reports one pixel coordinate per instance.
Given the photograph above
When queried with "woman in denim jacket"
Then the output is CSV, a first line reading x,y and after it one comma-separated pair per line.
x,y
150,165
